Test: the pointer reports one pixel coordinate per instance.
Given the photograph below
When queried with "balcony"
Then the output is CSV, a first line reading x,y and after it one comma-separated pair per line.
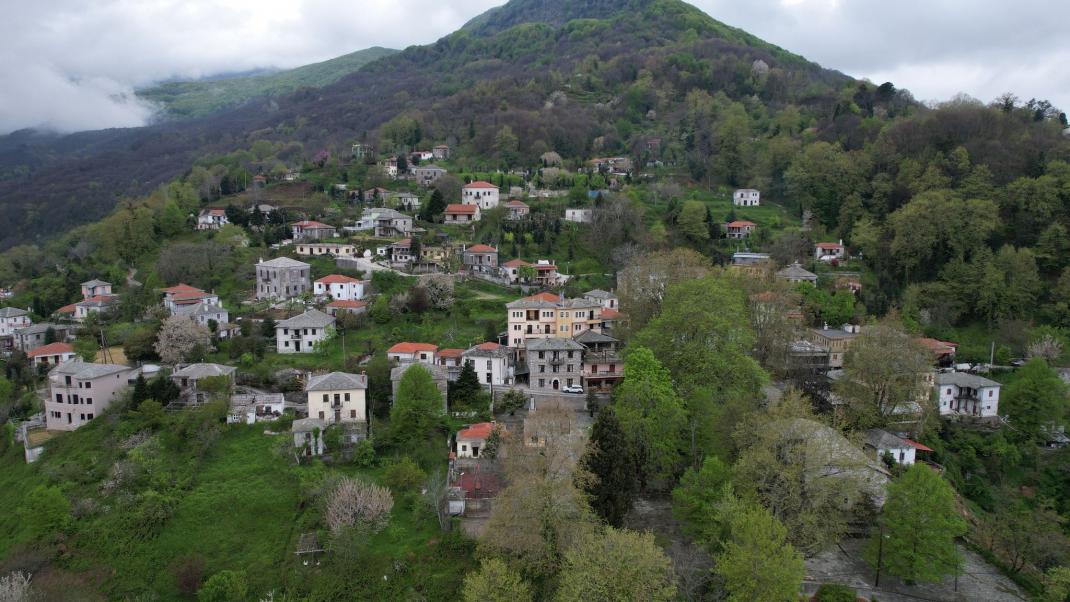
x,y
602,374
556,361
296,336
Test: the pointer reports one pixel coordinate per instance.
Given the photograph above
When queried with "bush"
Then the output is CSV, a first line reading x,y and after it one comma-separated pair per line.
x,y
224,586
834,592
352,501
404,476
364,454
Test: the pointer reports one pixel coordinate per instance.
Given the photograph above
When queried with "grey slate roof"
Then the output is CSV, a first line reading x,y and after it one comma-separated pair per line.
x,y
600,294
337,381
199,309
307,425
964,379
835,333
41,328
881,439
198,371
501,351
796,272
553,344
284,262
96,282
83,370
590,337
312,318
383,213
12,312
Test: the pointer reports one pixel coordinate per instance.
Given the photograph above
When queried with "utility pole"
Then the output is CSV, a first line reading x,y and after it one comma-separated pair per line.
x,y
880,557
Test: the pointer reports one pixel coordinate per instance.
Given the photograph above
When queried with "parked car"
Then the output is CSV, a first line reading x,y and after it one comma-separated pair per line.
x,y
572,389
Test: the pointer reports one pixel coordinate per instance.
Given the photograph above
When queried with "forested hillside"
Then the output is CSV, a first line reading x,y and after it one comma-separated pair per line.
x,y
598,83
202,98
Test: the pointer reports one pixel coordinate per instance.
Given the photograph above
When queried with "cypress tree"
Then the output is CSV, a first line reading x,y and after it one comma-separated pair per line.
x,y
465,389
610,460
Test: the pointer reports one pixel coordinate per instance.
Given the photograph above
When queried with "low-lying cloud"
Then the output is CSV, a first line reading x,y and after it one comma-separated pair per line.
x,y
70,65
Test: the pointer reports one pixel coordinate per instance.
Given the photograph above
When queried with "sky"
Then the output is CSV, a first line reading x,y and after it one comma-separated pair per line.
x,y
71,65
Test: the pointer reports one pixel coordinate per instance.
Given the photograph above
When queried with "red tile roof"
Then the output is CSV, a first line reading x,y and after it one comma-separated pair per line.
x,y
482,249
488,346
67,309
51,349
741,224
516,203
337,279
447,353
481,184
610,313
544,296
181,288
829,245
477,431
515,263
311,224
347,304
459,208
938,347
412,347
917,446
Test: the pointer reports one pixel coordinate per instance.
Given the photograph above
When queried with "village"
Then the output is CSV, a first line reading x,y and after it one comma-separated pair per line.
x,y
550,354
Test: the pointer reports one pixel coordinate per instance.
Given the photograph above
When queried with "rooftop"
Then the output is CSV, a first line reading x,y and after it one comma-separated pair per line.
x,y
312,318
337,279
553,344
311,224
283,262
459,208
198,371
412,347
477,431
600,294
481,184
96,282
12,312
481,249
488,350
51,349
964,379
337,381
83,370
347,304
881,439
796,272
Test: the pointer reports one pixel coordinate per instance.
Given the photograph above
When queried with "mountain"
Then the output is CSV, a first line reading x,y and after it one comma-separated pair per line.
x,y
204,97
565,75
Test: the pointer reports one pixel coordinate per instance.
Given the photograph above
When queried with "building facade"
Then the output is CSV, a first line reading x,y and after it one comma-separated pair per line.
x,y
80,391
554,363
301,334
282,278
746,197
338,397
481,194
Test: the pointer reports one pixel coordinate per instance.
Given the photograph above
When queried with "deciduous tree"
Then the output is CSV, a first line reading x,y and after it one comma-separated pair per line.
x,y
616,565
417,407
179,336
495,582
757,562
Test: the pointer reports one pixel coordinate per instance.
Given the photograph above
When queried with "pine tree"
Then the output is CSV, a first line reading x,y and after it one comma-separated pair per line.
x,y
435,206
611,461
918,527
465,389
140,393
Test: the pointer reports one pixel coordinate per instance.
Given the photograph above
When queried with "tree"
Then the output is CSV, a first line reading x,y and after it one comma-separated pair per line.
x,y
696,499
512,401
918,527
495,582
651,415
757,562
179,337
15,587
171,221
434,207
417,406
224,586
692,221
404,476
643,282
379,384
353,502
616,565
506,145
702,336
140,345
884,372
610,461
1035,400
466,389
541,513
806,473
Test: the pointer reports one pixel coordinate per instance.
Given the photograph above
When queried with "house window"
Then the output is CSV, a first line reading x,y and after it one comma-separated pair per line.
x,y
542,382
990,392
347,396
464,448
321,415
352,413
488,364
90,416
326,398
90,386
949,390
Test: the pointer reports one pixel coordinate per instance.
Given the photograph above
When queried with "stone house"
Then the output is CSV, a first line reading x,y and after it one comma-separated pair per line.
x,y
312,230
282,278
554,363
461,214
517,210
481,258
739,229
338,397
300,334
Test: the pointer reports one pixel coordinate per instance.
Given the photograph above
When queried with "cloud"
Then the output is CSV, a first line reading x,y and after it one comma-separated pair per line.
x,y
72,64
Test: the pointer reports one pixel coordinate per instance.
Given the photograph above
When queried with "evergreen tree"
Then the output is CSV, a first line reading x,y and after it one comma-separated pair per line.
x,y
267,328
918,527
379,385
50,336
434,207
609,458
466,388
417,406
140,393
1035,400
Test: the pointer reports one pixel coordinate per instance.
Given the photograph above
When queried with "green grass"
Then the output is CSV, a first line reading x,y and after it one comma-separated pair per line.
x,y
244,510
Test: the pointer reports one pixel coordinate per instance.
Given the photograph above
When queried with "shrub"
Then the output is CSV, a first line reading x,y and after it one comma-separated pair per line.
x,y
835,592
404,476
354,501
364,454
224,586
15,588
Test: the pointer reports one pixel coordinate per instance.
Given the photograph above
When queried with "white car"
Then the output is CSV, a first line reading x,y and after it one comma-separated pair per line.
x,y
572,389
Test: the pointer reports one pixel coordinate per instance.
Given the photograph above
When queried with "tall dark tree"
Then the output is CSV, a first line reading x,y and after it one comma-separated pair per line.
x,y
609,458
434,207
140,393
465,389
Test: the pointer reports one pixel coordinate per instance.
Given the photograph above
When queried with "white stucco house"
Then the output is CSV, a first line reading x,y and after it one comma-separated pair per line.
x,y
338,397
746,197
492,363
880,442
481,194
579,216
408,353
79,391
12,319
340,288
300,334
964,394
